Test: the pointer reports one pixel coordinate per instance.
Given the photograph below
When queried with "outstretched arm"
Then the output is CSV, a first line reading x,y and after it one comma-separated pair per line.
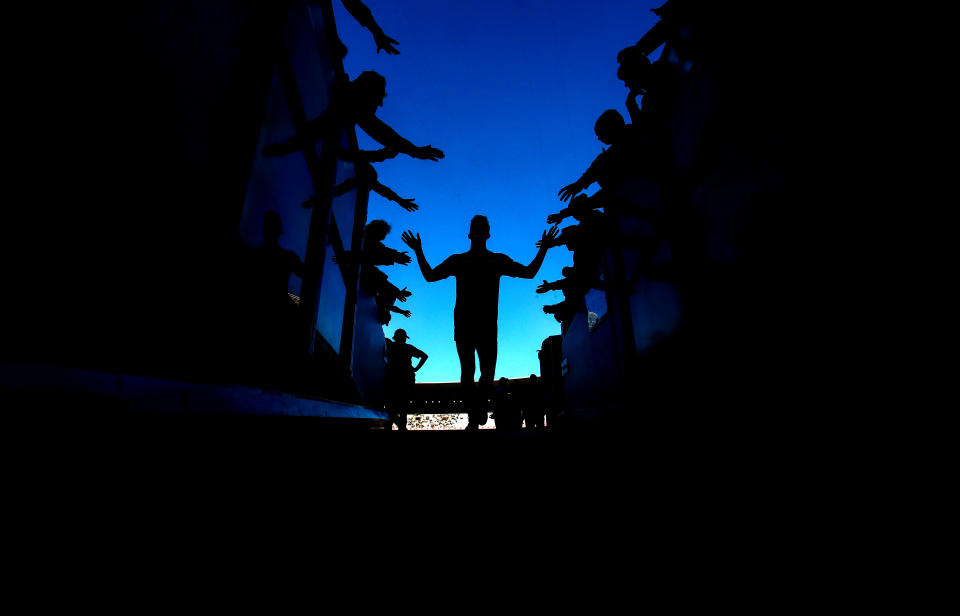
x,y
379,130
362,14
365,156
572,190
557,285
546,241
387,193
405,313
556,219
414,242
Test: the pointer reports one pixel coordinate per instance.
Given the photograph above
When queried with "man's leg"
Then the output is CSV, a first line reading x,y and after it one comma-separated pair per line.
x,y
465,349
487,353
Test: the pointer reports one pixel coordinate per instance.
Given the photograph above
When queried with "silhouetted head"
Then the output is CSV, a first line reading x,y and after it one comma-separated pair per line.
x,y
377,230
533,378
272,226
503,380
400,335
634,69
479,228
368,91
609,126
567,272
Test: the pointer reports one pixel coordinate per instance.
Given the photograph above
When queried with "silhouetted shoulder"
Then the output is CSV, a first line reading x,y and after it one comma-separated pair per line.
x,y
506,266
451,266
478,264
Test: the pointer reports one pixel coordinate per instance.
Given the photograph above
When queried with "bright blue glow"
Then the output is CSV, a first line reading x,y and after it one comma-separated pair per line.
x,y
509,90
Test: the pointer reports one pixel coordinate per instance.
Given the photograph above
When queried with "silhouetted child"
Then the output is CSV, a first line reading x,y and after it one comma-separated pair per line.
x,y
401,376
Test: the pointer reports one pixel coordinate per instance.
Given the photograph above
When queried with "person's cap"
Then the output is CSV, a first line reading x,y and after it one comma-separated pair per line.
x,y
400,333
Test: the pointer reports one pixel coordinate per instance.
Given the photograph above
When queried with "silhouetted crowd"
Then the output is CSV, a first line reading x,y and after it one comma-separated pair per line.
x,y
632,172
352,103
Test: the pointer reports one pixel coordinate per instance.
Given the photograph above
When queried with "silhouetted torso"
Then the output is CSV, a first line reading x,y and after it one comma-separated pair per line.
x,y
621,158
399,358
478,288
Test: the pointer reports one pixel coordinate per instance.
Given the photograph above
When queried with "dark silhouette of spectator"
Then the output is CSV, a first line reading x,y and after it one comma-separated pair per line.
x,y
615,162
374,251
564,311
506,415
559,285
354,103
365,177
597,200
274,313
533,408
375,282
573,287
587,240
635,69
674,16
401,376
478,273
272,266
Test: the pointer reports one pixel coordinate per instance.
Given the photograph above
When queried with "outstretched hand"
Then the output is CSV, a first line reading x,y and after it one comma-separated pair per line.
x,y
544,287
555,219
408,204
403,258
570,191
547,241
411,241
385,43
427,152
405,313
403,294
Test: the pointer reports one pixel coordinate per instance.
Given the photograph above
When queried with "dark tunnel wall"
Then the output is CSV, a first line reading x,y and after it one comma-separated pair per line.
x,y
138,161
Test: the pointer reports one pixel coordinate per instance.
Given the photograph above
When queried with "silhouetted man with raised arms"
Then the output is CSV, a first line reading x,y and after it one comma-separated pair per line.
x,y
478,273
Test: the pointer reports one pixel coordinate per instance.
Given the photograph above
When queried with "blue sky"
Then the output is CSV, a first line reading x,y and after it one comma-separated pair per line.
x,y
509,90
